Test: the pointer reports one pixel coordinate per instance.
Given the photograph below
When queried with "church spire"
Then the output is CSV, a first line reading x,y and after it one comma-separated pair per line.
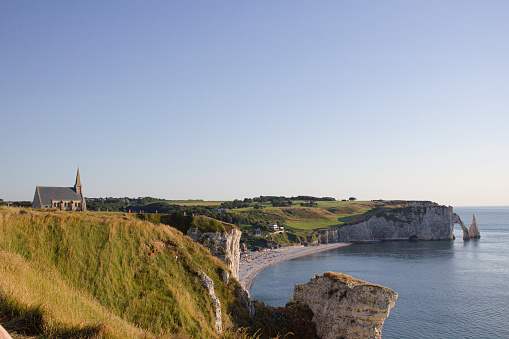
x,y
77,185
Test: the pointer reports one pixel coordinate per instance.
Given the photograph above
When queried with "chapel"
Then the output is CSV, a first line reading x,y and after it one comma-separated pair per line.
x,y
62,198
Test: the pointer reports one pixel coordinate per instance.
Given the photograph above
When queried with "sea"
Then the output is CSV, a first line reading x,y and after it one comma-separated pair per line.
x,y
447,289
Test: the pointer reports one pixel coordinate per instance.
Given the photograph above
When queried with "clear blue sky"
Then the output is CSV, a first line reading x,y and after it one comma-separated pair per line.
x,y
232,99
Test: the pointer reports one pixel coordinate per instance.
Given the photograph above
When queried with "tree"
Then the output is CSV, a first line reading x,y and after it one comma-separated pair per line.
x,y
352,198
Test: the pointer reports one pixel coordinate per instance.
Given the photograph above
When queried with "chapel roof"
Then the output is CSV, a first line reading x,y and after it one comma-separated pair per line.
x,y
47,193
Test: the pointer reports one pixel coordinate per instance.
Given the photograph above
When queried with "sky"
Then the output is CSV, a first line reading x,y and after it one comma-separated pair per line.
x,y
232,99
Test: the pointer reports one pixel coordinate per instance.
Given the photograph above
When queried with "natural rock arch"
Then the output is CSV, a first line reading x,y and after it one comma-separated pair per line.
x,y
457,220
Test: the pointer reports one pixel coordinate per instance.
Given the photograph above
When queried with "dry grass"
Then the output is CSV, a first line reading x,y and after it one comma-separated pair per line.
x,y
123,277
60,306
349,280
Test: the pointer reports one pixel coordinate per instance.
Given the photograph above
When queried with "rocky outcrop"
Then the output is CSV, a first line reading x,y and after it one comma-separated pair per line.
x,y
245,300
473,230
224,245
225,277
426,222
344,307
208,283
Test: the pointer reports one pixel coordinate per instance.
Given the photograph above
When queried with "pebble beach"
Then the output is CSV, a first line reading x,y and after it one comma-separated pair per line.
x,y
250,267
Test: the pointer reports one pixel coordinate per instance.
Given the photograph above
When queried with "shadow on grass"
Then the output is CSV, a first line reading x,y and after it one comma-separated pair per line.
x,y
24,320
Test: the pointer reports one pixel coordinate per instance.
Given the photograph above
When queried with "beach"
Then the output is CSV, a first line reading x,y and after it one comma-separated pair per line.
x,y
249,268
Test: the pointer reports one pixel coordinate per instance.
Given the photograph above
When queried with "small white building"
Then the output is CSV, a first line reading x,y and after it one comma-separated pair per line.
x,y
257,233
274,227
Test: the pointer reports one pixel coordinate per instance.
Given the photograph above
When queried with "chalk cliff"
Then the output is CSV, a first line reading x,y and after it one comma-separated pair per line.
x,y
426,222
224,245
208,283
473,230
344,307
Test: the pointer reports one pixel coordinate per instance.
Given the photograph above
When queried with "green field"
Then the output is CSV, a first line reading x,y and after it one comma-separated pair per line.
x,y
325,214
343,213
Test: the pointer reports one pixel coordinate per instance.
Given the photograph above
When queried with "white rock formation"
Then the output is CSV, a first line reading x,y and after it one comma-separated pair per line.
x,y
431,222
208,283
473,230
224,245
457,220
344,307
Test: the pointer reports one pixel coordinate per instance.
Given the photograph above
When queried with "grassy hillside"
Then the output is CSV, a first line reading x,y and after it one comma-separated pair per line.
x,y
325,214
65,274
302,222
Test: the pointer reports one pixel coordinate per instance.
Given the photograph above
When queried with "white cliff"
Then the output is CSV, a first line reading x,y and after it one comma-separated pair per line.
x,y
208,283
224,245
428,222
344,307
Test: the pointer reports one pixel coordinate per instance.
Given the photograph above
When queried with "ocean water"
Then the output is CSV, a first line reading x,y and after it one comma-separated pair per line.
x,y
447,289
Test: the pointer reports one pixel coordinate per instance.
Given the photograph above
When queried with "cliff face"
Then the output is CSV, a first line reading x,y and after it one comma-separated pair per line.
x,y
224,245
430,222
344,307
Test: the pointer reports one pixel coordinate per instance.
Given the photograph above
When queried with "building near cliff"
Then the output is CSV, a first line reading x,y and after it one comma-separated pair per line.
x,y
62,198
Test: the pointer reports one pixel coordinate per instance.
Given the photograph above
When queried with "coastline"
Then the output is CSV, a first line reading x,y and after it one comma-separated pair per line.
x,y
249,268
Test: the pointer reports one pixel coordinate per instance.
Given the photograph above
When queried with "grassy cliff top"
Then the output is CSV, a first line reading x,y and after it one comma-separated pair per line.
x,y
324,214
72,274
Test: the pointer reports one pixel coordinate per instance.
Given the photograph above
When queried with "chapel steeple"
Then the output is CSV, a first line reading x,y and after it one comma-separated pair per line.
x,y
77,185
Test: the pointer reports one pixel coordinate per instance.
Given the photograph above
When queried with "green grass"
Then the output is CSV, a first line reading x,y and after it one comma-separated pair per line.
x,y
35,302
312,224
330,222
112,274
326,214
